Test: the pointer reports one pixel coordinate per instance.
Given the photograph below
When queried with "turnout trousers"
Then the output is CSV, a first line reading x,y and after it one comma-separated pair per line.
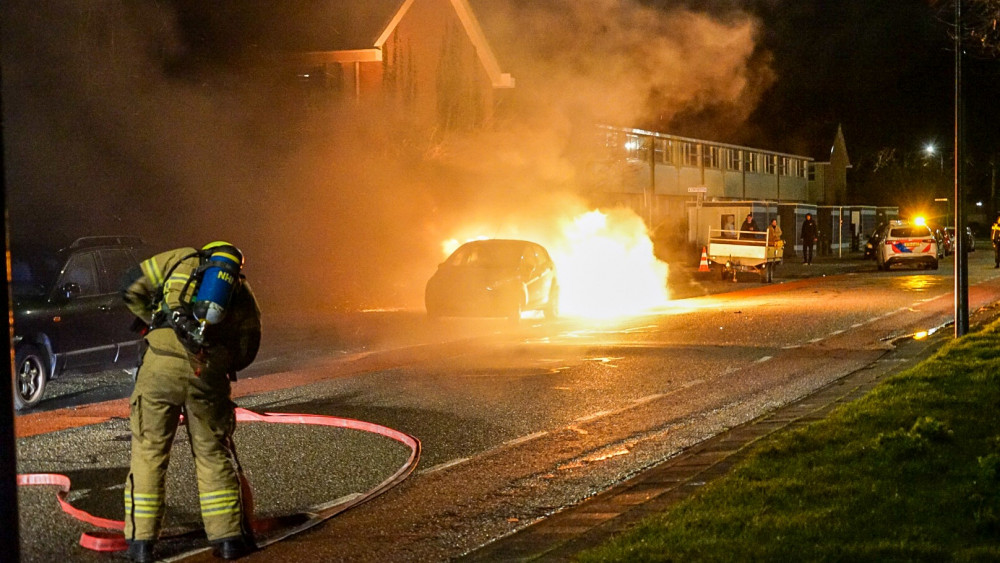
x,y
167,386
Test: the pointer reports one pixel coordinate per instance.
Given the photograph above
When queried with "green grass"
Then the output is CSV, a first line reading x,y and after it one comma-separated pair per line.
x,y
910,472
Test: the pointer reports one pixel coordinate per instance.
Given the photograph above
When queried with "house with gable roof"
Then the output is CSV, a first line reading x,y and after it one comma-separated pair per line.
x,y
428,58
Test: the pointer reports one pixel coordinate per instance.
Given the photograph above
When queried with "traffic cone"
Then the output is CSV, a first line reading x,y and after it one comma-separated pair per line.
x,y
703,267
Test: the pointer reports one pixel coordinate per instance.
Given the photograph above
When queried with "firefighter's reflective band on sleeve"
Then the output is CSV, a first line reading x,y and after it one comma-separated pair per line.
x,y
226,501
181,281
143,505
152,271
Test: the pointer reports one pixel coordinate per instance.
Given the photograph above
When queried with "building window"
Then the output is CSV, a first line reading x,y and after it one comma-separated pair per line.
x,y
811,171
713,158
734,159
770,163
634,147
795,167
665,151
752,162
689,154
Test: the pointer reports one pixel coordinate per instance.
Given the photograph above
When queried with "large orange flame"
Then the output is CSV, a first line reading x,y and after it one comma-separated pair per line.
x,y
605,264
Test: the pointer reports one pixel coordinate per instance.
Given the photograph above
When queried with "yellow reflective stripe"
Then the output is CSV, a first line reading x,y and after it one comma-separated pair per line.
x,y
178,279
223,493
152,271
232,257
145,505
220,502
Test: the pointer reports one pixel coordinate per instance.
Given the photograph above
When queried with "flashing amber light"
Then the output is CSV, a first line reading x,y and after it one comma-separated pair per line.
x,y
920,221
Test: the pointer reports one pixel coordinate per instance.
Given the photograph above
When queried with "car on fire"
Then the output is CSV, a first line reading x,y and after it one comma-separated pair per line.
x,y
69,316
906,243
494,278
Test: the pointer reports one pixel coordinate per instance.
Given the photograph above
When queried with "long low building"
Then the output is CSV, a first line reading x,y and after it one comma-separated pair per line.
x,y
684,186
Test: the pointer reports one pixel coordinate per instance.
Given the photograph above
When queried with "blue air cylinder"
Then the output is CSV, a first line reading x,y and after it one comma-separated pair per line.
x,y
221,272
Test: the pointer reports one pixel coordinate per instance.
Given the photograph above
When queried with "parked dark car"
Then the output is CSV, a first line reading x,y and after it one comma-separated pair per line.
x,y
970,241
873,241
494,277
69,316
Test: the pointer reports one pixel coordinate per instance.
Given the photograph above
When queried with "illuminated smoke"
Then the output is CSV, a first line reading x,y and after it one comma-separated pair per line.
x,y
122,124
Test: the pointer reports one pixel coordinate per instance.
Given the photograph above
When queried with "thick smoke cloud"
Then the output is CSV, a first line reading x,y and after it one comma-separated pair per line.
x,y
121,117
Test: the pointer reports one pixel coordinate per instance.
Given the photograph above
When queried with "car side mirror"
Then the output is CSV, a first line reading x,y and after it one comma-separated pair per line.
x,y
70,290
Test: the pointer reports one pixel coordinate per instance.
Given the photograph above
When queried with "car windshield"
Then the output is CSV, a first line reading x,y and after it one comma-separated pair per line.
x,y
33,272
487,254
909,231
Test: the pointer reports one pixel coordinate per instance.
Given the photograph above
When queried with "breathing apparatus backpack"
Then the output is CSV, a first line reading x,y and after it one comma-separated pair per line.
x,y
215,281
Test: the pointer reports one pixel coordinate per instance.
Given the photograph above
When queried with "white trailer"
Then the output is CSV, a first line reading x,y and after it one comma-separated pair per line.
x,y
743,251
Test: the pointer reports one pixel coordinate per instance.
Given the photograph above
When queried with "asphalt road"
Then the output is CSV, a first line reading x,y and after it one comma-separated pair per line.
x,y
516,423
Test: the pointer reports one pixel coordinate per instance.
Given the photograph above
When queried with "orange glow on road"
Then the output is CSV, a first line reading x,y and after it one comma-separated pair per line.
x,y
605,263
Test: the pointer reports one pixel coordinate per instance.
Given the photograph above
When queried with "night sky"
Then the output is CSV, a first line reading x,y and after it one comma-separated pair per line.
x,y
883,69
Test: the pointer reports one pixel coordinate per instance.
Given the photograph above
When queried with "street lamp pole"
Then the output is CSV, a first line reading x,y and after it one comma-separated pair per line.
x,y
961,256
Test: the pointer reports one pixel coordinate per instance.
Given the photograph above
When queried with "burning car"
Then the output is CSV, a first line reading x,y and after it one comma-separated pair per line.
x,y
494,278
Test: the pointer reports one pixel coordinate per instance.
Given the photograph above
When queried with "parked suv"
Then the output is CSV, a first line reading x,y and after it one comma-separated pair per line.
x,y
69,316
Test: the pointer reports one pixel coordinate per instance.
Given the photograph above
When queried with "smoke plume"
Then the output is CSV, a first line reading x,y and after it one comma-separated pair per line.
x,y
132,117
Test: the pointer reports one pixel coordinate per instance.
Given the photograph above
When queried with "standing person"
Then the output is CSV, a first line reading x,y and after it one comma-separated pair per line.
x,y
186,369
748,225
809,234
774,234
995,238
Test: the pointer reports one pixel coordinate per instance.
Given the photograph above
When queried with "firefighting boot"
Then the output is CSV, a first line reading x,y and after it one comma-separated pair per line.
x,y
141,551
234,548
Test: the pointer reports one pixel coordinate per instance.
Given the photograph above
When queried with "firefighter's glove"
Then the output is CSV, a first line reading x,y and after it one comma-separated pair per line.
x,y
187,330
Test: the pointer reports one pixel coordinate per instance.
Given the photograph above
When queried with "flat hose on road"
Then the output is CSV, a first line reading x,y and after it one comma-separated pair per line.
x,y
115,541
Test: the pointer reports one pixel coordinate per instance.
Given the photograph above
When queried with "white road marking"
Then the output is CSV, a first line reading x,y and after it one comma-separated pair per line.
x,y
524,439
648,398
588,417
444,465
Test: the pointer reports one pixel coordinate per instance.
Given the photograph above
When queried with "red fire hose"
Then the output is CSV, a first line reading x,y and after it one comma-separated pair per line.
x,y
115,541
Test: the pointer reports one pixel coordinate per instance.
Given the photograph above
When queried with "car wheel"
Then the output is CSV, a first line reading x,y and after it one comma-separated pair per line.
x,y
551,310
31,373
934,265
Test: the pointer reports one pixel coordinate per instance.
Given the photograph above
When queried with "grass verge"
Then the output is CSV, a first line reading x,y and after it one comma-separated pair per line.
x,y
910,472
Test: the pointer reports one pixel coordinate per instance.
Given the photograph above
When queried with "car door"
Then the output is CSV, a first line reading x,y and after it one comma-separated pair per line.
x,y
83,340
113,264
537,280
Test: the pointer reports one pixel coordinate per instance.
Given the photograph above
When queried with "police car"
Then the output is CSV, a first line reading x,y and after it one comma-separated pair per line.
x,y
909,243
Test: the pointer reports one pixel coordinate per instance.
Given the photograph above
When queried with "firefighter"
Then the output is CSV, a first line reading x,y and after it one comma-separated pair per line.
x,y
187,368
